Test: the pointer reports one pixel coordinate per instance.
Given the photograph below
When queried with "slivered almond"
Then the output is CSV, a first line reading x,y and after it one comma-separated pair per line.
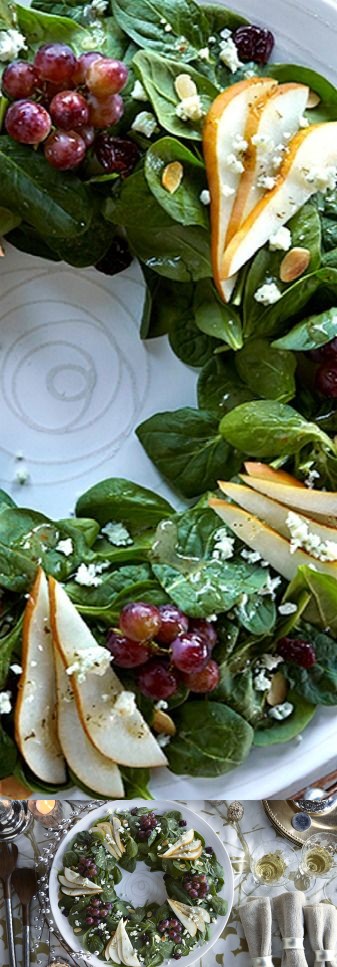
x,y
294,264
278,689
184,86
162,722
313,100
172,176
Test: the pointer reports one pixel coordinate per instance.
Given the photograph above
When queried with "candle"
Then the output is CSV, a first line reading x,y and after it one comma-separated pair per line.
x,y
47,812
45,806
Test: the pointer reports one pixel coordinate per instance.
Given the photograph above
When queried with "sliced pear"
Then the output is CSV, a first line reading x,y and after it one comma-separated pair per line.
x,y
111,950
272,547
263,470
180,910
272,512
226,120
184,840
280,115
80,891
116,824
117,734
88,765
312,149
125,949
105,833
313,502
75,878
192,854
35,712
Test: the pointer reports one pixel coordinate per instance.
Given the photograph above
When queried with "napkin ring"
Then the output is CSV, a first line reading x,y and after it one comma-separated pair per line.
x,y
262,961
321,956
292,943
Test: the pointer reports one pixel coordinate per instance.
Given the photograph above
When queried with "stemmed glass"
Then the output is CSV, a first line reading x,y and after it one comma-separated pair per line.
x,y
318,858
271,864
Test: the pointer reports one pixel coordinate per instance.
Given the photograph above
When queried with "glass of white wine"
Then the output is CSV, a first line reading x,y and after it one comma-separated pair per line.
x,y
271,863
319,856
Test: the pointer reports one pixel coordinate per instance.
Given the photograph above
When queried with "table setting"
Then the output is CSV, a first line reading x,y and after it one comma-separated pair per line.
x,y
279,856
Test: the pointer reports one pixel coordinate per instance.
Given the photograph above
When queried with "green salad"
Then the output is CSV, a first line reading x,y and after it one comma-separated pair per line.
x,y
110,926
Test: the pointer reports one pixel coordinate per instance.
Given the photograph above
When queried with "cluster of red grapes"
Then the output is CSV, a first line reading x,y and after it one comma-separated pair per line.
x,y
62,100
196,885
169,647
87,867
97,911
172,927
146,824
325,379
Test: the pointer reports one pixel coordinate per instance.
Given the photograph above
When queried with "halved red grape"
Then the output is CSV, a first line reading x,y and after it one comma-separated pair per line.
x,y
205,680
140,621
82,65
69,110
205,630
55,63
127,653
326,379
189,653
157,681
19,79
27,122
119,155
65,150
106,76
105,111
173,623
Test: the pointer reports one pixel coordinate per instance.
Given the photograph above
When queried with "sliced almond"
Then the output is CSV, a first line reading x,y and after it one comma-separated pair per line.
x,y
172,176
162,722
294,264
184,86
278,689
313,100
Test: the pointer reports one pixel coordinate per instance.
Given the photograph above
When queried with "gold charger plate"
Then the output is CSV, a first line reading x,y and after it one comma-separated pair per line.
x,y
281,811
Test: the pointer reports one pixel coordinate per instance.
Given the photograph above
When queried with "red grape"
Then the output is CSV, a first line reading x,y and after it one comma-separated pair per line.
x,y
189,653
205,630
27,122
19,79
173,623
88,135
297,650
326,379
139,621
82,65
118,155
55,63
126,653
328,351
106,111
205,680
156,680
106,76
64,150
69,110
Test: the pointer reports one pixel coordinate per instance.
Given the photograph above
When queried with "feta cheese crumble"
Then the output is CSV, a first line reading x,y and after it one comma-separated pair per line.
x,y
16,669
320,179
144,123
261,681
234,164
287,608
138,92
65,547
117,534
88,575
266,181
311,477
161,705
190,108
5,703
21,474
267,294
301,536
281,241
280,712
163,740
251,556
270,661
205,197
11,42
94,660
228,52
223,546
125,704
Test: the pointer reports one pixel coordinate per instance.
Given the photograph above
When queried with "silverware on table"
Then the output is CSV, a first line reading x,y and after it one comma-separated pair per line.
x,y
24,880
8,860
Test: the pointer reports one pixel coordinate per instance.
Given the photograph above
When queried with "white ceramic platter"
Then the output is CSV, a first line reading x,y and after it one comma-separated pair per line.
x,y
142,885
75,380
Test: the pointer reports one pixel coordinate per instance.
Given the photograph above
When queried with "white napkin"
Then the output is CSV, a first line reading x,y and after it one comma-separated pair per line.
x,y
321,924
256,919
288,910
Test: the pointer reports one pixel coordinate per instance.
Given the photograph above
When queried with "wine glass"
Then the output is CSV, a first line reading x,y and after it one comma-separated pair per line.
x,y
271,864
318,857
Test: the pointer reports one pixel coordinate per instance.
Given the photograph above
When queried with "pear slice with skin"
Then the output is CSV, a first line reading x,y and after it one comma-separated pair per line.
x,y
264,471
184,840
272,547
189,854
125,949
88,765
116,824
117,733
313,502
272,512
280,115
180,910
79,891
76,879
111,950
311,150
35,712
226,119
108,841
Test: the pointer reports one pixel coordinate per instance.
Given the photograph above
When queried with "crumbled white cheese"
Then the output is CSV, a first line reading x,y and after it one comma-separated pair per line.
x,y
163,740
204,53
239,144
65,547
94,10
94,660
287,608
267,294
117,534
205,196
190,108
227,191
270,586
5,703
281,240
125,704
311,477
223,546
261,682
320,179
262,141
229,54
303,122
168,28
144,123
234,164
87,575
161,705
21,474
251,556
301,536
16,669
280,712
138,92
266,181
11,43
270,662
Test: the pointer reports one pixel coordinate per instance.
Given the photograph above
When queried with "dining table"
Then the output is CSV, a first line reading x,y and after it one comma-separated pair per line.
x,y
239,835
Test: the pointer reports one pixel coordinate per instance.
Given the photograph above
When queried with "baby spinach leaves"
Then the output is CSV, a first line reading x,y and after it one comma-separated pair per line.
x,y
215,318
318,684
270,429
145,21
271,732
219,388
311,333
268,372
184,204
158,76
326,110
211,739
116,499
43,28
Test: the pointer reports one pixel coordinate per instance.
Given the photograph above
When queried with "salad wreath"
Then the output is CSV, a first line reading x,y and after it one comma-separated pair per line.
x,y
111,927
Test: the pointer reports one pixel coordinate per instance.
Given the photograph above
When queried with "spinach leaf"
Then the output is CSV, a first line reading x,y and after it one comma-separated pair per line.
x,y
178,252
215,318
318,684
310,333
7,644
6,501
136,783
326,110
220,18
322,609
158,77
165,304
41,194
88,248
17,570
43,28
257,614
128,208
268,372
219,389
27,239
329,236
265,428
271,732
116,499
8,754
190,345
8,221
184,204
211,739
31,539
239,693
188,449
145,21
